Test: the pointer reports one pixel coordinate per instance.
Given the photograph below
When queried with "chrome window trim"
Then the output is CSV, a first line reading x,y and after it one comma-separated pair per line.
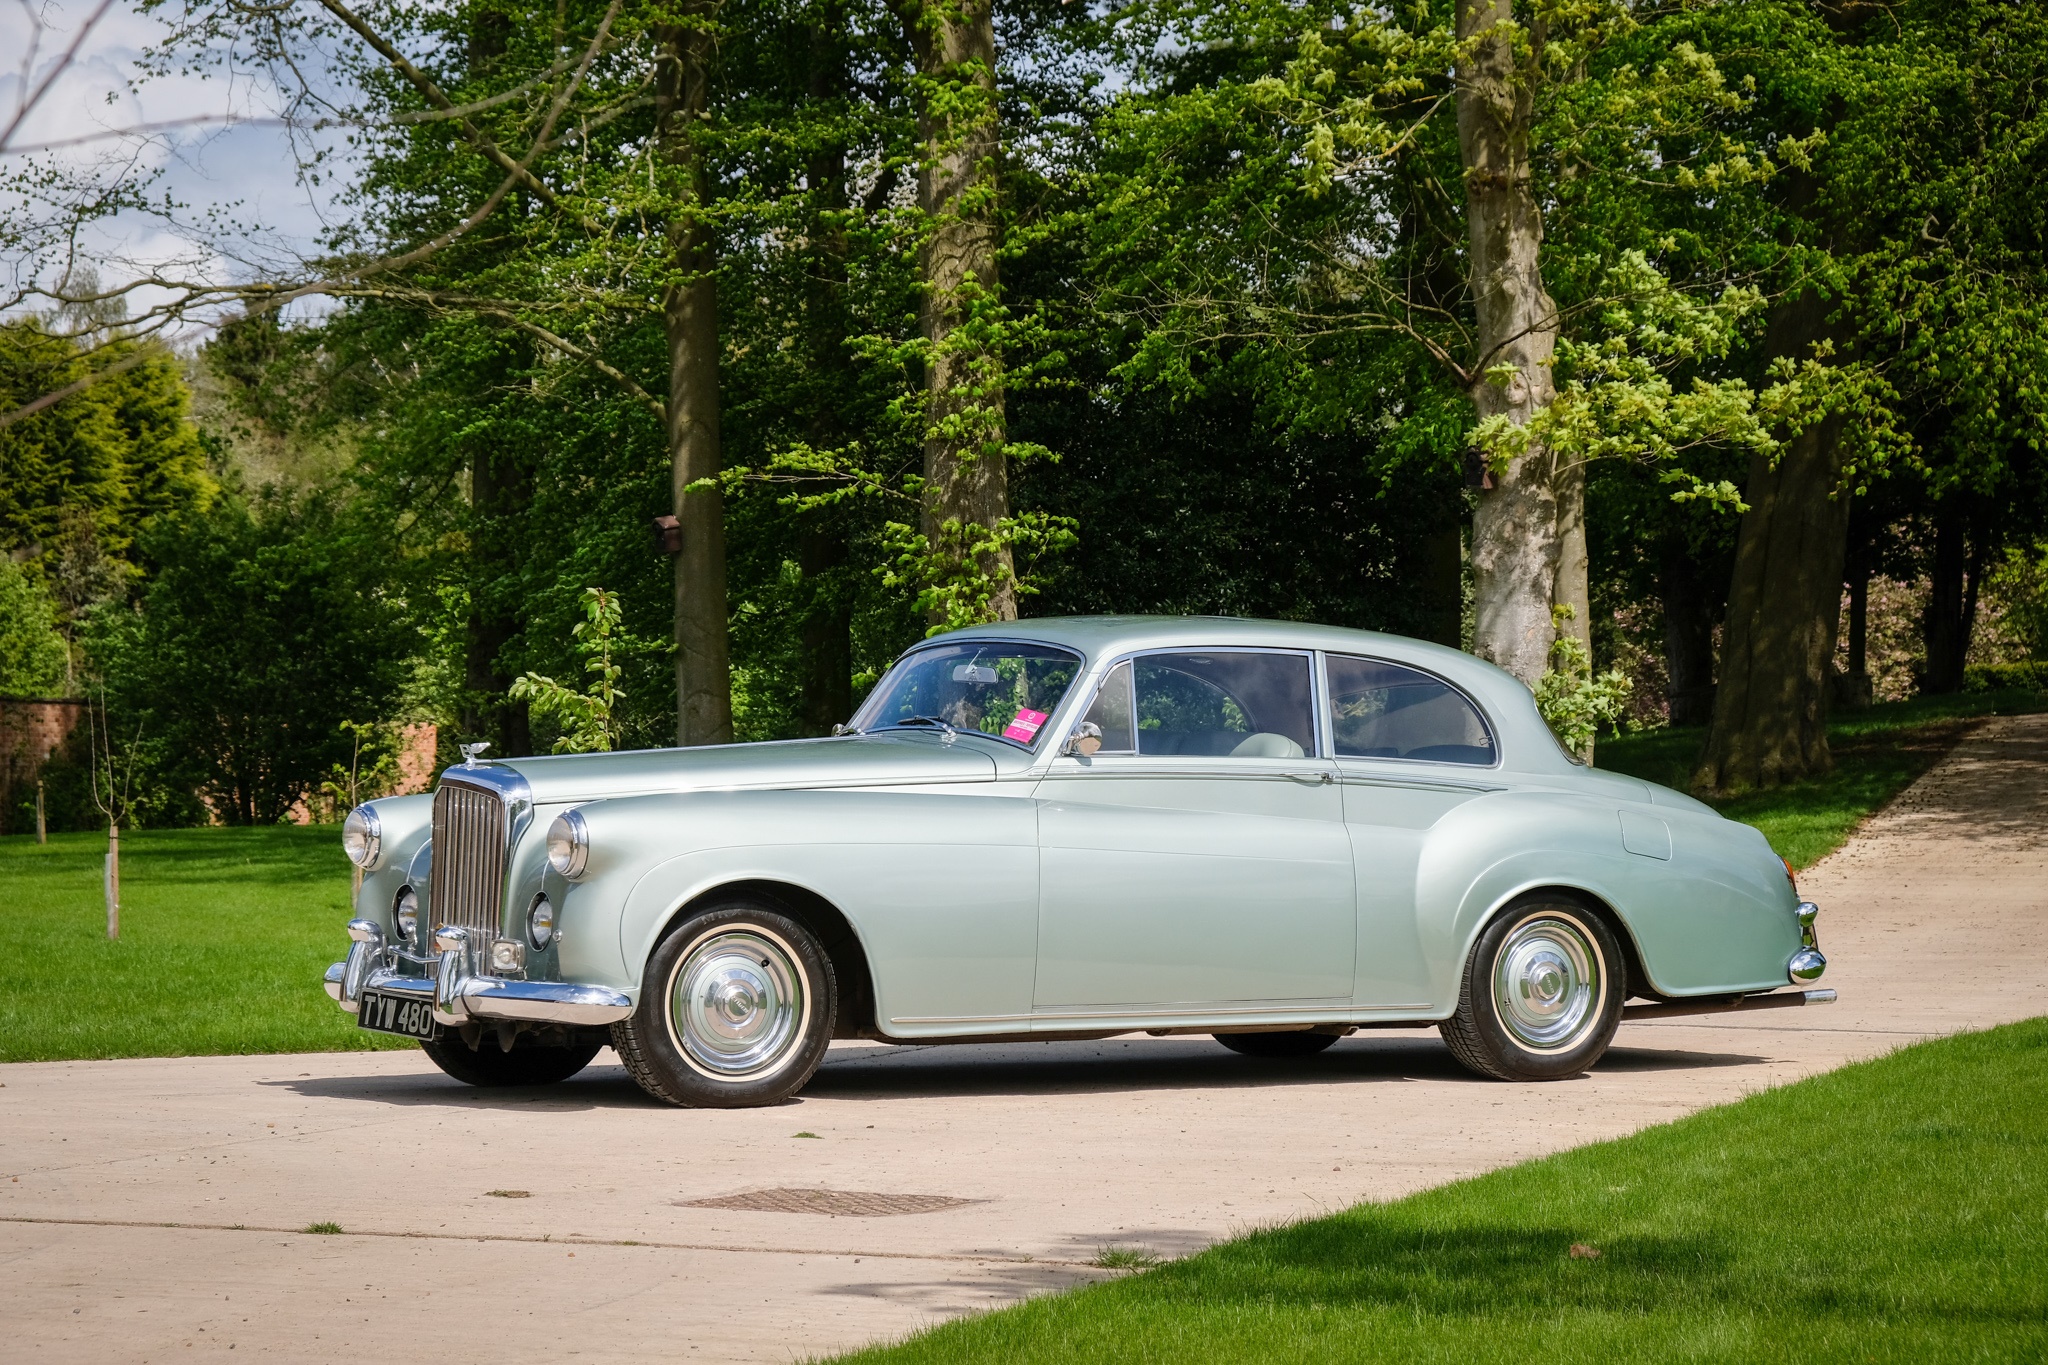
x,y
1130,688
1492,730
1306,652
942,642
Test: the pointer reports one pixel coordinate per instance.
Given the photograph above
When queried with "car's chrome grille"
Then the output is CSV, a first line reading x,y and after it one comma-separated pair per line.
x,y
469,858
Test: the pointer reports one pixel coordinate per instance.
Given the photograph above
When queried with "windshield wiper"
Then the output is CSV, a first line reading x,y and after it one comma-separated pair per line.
x,y
930,720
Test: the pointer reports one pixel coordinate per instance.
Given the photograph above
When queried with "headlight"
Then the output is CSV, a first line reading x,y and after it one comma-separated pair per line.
x,y
569,844
362,837
540,923
406,910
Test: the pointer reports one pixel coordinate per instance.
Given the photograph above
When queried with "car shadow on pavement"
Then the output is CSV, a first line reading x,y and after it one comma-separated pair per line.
x,y
980,1069
599,1086
1167,1064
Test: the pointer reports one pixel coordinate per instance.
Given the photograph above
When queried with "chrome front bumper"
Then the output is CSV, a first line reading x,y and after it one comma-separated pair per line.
x,y
457,992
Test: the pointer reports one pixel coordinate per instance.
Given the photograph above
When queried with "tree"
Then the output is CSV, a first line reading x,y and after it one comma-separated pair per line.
x,y
33,659
263,630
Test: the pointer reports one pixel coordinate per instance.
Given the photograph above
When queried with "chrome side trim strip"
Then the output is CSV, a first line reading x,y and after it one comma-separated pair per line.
x,y
1332,1013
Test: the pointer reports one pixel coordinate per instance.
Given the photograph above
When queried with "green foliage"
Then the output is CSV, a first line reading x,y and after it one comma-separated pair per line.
x,y
584,718
123,451
2031,676
264,628
2018,585
371,770
1573,701
33,659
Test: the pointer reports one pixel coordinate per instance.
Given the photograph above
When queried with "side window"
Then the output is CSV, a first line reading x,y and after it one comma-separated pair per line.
x,y
1225,704
1111,710
1382,710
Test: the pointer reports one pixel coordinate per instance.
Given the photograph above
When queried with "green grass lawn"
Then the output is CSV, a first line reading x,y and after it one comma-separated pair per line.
x,y
224,935
1878,752
1895,1210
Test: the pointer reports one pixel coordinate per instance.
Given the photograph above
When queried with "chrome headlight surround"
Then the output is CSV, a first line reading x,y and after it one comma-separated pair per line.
x,y
569,844
540,923
362,837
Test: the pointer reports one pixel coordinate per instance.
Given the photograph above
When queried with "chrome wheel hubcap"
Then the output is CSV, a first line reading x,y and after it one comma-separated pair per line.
x,y
736,1004
1547,983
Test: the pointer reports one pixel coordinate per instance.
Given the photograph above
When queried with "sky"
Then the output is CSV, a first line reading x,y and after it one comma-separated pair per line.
x,y
206,160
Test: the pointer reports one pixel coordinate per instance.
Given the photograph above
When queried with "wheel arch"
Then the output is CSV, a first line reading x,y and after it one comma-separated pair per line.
x,y
1636,981
841,941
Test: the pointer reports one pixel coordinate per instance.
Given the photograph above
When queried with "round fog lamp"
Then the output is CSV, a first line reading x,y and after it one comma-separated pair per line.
x,y
569,844
362,836
406,910
540,923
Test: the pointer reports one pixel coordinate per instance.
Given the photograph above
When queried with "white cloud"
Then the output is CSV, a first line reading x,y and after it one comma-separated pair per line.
x,y
211,141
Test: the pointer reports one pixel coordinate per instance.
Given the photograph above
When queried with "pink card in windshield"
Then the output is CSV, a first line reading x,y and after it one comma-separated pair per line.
x,y
1025,726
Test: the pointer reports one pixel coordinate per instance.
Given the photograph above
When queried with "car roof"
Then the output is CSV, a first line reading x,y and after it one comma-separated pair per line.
x,y
1098,636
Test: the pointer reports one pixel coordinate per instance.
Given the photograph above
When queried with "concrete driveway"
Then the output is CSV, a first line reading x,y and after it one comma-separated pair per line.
x,y
152,1210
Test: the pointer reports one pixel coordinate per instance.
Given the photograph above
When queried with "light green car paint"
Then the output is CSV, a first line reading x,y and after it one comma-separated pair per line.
x,y
993,890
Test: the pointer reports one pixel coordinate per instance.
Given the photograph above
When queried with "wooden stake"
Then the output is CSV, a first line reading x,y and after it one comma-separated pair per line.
x,y
113,881
42,830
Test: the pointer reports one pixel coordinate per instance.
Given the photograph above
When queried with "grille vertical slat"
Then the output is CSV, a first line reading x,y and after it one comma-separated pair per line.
x,y
469,858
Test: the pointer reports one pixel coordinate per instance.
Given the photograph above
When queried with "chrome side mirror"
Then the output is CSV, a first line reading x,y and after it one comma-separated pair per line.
x,y
1085,740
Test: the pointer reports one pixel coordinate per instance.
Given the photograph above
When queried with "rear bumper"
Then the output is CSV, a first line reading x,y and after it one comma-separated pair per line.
x,y
1727,1004
457,992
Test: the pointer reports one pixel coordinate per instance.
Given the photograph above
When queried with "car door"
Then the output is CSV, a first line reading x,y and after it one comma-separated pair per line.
x,y
1199,857
1409,749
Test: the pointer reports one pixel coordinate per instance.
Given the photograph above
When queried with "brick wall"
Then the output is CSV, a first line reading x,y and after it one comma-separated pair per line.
x,y
31,729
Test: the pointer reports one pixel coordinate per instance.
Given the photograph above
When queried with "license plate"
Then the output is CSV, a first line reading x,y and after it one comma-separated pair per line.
x,y
397,1014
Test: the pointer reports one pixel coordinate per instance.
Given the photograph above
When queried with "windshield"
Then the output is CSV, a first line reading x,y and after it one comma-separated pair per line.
x,y
995,688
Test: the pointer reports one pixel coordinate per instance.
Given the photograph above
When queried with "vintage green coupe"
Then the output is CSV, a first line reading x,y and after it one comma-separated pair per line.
x,y
1273,833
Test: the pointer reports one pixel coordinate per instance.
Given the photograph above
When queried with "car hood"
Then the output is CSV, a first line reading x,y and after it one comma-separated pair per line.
x,y
846,761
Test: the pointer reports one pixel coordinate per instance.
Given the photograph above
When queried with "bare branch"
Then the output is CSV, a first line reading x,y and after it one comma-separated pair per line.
x,y
34,94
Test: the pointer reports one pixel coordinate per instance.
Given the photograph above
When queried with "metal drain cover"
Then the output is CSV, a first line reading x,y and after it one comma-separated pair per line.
x,y
831,1203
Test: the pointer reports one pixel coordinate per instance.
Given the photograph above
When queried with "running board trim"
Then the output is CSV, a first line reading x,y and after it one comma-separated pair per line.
x,y
1723,1004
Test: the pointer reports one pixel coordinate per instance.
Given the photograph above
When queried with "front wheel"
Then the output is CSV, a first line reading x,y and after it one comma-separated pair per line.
x,y
735,1010
488,1064
1541,994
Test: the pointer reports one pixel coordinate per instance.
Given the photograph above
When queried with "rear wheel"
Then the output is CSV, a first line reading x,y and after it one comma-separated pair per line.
x,y
736,1010
1541,994
1302,1044
525,1064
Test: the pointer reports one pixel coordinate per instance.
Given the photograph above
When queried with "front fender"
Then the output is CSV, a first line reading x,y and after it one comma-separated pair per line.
x,y
940,886
408,825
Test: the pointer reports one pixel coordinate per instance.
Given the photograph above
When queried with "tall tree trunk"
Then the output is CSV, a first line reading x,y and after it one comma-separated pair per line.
x,y
500,488
967,477
1574,588
1688,631
690,318
1516,548
826,631
1942,627
1852,690
1784,601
